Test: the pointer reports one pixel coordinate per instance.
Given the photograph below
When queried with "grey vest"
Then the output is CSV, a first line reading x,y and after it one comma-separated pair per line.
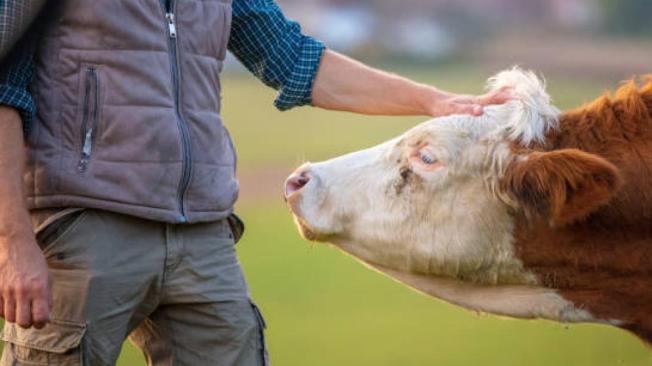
x,y
128,97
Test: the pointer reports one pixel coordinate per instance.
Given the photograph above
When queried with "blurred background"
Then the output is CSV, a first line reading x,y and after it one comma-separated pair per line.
x,y
325,309
597,38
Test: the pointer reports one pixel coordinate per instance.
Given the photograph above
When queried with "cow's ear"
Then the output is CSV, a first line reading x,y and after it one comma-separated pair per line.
x,y
562,186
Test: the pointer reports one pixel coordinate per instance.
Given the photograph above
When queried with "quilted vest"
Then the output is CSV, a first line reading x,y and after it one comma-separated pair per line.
x,y
128,96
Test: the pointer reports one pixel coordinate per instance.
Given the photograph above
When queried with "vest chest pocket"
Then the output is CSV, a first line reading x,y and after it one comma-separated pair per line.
x,y
90,114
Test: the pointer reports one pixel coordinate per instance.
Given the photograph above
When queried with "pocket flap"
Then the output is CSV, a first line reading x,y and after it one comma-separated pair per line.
x,y
56,337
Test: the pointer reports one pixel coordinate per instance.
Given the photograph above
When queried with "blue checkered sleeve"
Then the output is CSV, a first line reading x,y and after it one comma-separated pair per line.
x,y
15,76
274,50
16,68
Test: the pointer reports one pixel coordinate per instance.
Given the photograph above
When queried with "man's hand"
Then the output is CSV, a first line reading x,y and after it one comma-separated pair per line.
x,y
25,295
443,103
347,85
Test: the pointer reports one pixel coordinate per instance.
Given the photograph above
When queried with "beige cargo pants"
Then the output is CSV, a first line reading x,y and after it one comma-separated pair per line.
x,y
177,292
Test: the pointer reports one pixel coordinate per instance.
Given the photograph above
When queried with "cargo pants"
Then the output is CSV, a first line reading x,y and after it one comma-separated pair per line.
x,y
177,292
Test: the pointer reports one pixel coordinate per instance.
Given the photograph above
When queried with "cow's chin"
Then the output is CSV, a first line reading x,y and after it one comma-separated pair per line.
x,y
311,222
309,233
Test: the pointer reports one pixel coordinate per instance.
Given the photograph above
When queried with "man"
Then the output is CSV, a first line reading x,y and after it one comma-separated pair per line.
x,y
116,212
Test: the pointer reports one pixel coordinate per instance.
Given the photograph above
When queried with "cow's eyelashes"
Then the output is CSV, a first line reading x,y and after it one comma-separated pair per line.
x,y
424,159
427,157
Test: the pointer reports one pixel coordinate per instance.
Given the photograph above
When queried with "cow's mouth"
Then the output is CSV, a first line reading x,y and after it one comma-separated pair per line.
x,y
307,232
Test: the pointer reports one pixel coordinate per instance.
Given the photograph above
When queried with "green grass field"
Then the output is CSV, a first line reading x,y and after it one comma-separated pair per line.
x,y
325,309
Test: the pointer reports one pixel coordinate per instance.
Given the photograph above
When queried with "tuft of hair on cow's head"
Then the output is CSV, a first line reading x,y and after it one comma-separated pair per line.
x,y
531,115
561,186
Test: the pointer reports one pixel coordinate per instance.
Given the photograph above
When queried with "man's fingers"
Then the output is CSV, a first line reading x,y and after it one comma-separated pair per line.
x,y
42,306
474,105
27,309
472,109
10,309
500,96
24,312
40,312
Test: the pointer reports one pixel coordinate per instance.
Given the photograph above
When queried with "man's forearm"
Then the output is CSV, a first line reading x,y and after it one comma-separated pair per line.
x,y
25,296
347,85
14,217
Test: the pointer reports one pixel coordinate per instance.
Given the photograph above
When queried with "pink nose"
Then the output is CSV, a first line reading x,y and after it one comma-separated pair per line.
x,y
296,181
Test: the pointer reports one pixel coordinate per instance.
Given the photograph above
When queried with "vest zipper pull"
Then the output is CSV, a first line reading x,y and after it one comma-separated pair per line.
x,y
88,143
86,151
171,25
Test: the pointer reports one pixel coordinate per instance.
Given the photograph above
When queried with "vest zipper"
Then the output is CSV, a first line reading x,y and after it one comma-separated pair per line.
x,y
169,10
90,115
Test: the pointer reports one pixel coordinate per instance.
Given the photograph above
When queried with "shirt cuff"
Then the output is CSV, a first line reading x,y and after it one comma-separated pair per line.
x,y
20,99
297,89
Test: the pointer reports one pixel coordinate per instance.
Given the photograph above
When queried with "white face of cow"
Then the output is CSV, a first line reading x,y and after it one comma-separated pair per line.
x,y
422,203
427,202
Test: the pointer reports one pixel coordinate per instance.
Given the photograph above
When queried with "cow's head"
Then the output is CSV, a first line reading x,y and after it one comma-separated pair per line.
x,y
442,198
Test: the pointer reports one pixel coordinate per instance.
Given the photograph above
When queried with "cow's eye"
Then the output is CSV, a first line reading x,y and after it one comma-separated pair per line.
x,y
426,157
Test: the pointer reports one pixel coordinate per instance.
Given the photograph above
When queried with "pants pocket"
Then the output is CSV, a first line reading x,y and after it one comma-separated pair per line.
x,y
59,228
262,343
58,343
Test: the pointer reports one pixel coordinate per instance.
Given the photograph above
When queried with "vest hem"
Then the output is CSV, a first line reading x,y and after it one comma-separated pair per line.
x,y
137,210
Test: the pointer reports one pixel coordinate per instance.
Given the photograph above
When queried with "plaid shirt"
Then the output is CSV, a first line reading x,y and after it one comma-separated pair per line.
x,y
269,45
16,67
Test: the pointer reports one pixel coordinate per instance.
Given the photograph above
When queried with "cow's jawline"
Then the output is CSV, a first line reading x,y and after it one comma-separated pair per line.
x,y
526,302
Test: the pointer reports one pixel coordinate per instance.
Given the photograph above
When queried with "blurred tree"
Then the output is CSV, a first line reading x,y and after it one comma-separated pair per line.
x,y
629,17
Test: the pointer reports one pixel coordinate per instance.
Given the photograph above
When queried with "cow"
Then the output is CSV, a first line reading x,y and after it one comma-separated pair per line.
x,y
525,211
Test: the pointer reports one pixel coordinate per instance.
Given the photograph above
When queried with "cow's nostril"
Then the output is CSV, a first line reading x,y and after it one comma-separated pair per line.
x,y
295,183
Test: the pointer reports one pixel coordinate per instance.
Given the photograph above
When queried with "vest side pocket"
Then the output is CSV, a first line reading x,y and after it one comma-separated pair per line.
x,y
90,115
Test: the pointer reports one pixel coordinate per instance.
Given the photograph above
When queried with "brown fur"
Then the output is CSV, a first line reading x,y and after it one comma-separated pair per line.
x,y
593,180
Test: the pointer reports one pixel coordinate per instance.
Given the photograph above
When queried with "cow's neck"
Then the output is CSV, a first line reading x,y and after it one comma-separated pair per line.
x,y
603,264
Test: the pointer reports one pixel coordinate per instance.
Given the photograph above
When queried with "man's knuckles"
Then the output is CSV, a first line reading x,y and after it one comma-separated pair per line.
x,y
25,290
38,288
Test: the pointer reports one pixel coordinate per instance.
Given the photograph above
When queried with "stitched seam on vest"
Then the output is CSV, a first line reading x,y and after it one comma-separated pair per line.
x,y
122,203
185,52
